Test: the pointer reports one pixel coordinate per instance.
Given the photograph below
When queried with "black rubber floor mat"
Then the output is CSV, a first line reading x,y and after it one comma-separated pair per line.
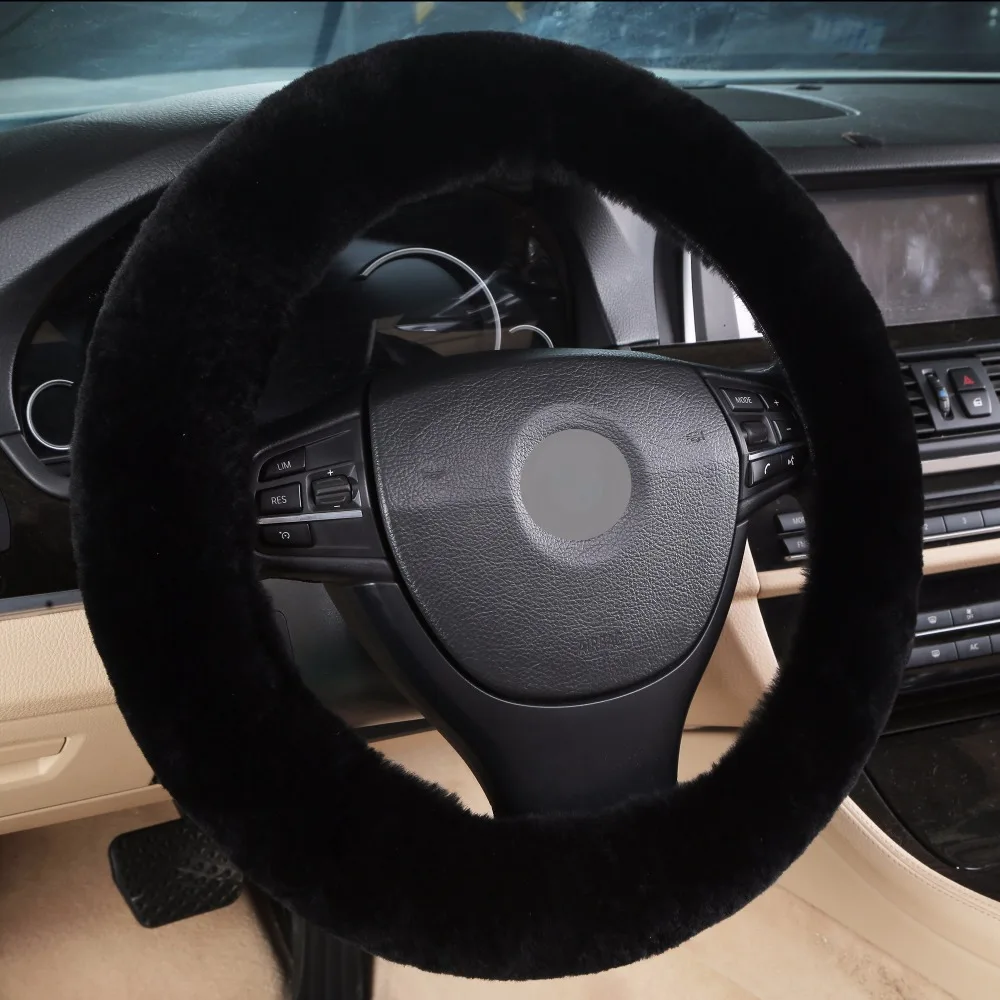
x,y
172,871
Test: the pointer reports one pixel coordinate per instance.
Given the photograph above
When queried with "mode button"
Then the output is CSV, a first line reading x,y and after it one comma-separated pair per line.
x,y
740,400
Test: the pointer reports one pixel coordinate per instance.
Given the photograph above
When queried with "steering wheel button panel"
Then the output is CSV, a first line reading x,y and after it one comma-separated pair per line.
x,y
280,500
284,465
325,531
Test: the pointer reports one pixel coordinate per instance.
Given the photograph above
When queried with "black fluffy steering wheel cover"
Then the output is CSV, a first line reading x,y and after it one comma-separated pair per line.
x,y
164,526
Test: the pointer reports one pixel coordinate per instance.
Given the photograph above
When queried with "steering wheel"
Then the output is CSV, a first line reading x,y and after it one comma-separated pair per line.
x,y
540,546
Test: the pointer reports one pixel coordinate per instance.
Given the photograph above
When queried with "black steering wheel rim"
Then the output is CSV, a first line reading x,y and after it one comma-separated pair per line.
x,y
163,524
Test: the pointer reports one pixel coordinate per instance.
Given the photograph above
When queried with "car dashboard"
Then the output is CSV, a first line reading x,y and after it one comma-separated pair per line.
x,y
908,175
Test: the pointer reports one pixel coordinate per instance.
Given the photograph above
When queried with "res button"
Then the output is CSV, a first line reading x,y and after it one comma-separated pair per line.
x,y
280,500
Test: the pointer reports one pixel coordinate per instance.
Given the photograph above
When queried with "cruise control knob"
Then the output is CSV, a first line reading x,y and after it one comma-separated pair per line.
x,y
334,491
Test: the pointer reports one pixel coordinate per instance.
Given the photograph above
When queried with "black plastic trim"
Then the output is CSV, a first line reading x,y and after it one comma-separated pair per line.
x,y
62,600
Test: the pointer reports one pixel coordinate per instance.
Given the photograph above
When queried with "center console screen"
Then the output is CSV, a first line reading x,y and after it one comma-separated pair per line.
x,y
927,254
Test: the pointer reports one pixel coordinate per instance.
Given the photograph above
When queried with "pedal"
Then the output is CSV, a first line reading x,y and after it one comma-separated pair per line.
x,y
172,871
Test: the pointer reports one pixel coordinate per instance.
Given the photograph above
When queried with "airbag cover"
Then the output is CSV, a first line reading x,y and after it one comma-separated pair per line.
x,y
527,613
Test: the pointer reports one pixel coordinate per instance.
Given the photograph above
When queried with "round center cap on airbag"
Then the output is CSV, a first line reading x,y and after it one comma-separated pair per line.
x,y
575,484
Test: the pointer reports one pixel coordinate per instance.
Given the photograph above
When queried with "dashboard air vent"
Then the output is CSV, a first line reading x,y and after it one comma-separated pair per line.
x,y
921,414
991,362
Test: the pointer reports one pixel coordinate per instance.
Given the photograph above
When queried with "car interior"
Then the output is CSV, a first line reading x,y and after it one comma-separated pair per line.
x,y
499,500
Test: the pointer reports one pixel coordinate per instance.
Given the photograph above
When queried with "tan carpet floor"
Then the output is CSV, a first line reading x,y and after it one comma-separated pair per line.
x,y
778,948
65,934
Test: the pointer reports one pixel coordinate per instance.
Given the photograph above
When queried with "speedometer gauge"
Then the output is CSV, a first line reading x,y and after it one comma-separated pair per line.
x,y
485,315
480,286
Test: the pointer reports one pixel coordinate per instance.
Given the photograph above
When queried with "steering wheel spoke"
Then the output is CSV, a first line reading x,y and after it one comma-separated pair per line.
x,y
314,516
537,758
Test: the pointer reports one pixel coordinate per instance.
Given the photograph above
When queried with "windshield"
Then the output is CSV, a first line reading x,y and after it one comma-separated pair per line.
x,y
63,58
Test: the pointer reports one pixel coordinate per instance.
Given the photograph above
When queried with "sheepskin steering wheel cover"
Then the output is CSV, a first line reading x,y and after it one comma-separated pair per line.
x,y
164,524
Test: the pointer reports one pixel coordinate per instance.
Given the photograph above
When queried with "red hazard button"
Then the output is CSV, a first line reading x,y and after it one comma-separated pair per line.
x,y
964,379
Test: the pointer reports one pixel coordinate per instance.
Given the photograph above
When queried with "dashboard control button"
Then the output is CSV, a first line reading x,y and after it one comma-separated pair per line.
x,y
976,404
284,465
964,379
965,616
287,536
763,469
280,500
928,621
786,430
995,642
755,432
988,612
970,520
939,390
773,401
796,545
973,614
978,645
742,400
991,518
794,521
934,526
332,491
924,656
